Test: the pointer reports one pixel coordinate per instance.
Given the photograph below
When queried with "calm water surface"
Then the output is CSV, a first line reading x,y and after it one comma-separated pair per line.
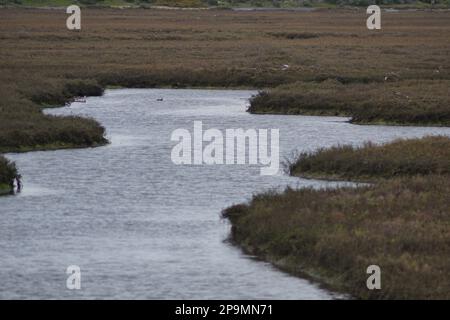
x,y
138,225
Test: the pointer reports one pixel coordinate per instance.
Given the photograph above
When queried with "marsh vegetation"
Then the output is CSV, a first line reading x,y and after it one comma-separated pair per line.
x,y
400,222
8,172
429,155
332,236
323,62
412,102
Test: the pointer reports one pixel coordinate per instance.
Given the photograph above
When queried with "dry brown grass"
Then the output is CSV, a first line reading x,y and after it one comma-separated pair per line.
x,y
146,48
147,41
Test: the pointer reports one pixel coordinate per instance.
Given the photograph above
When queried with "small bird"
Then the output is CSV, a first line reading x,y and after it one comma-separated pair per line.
x,y
160,99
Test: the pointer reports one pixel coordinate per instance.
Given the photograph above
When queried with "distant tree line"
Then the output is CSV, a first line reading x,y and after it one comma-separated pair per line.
x,y
231,3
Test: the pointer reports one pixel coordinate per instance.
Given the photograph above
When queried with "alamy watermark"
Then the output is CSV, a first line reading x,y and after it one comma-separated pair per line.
x,y
374,20
374,280
73,281
73,22
234,146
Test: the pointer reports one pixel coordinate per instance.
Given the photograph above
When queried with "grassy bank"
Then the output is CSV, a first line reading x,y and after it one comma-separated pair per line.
x,y
387,100
8,172
401,223
430,155
26,128
332,236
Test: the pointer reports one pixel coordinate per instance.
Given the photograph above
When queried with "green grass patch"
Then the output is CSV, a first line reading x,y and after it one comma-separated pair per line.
x,y
8,173
5,189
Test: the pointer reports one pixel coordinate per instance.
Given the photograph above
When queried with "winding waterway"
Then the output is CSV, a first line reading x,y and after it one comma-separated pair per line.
x,y
140,226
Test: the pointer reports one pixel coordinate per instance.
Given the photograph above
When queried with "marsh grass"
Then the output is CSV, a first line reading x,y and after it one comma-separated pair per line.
x,y
429,155
418,102
400,222
401,225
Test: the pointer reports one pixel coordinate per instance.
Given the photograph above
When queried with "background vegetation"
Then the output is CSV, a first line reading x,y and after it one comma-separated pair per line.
x,y
228,3
42,63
